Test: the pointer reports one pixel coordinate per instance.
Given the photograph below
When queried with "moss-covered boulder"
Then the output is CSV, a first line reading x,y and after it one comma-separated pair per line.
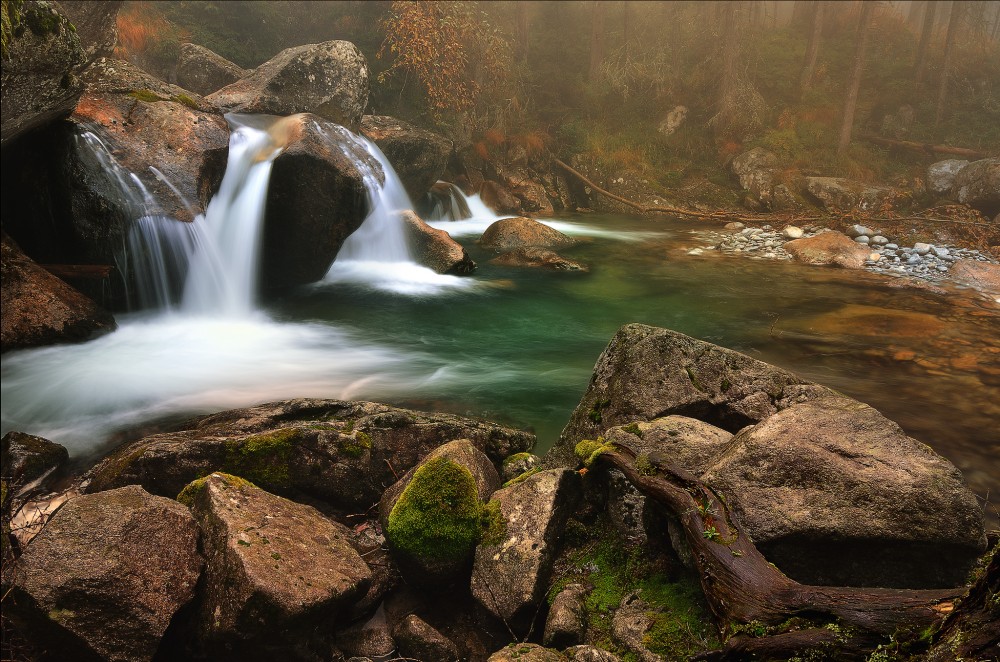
x,y
41,55
647,373
434,516
27,457
527,653
513,564
517,464
341,452
272,565
107,574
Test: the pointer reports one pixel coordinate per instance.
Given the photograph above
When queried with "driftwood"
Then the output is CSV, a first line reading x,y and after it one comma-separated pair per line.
x,y
925,147
86,271
741,586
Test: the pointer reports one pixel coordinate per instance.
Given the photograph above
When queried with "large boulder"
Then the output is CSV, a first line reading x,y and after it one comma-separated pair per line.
x,y
433,515
418,640
435,249
829,248
520,232
107,574
272,565
39,82
941,175
316,198
417,155
341,452
981,276
647,373
329,79
513,565
566,623
204,71
755,171
834,493
96,24
978,185
838,194
40,309
27,458
536,257
499,198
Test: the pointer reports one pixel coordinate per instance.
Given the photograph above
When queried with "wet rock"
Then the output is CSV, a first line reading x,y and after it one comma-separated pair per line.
x,y
27,458
432,516
838,194
418,640
836,494
566,624
147,124
316,198
828,248
537,257
497,197
755,171
271,564
941,175
204,71
39,82
978,185
512,569
517,464
341,452
40,309
329,79
435,249
982,276
107,574
531,194
417,155
526,653
647,373
520,232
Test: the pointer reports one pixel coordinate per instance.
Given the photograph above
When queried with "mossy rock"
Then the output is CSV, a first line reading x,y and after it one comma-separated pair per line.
x,y
437,522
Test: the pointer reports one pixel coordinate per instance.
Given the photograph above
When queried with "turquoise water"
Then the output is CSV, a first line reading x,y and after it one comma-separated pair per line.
x,y
518,345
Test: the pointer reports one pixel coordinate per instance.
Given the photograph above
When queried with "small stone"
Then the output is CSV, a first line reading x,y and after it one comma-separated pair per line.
x,y
862,239
940,251
914,259
792,232
735,225
695,251
879,240
874,257
859,231
922,249
892,247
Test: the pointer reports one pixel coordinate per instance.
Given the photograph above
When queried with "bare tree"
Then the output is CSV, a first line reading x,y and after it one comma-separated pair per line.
x,y
851,101
596,39
925,40
958,10
812,52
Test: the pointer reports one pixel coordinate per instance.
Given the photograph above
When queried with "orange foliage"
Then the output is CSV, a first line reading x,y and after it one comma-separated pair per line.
x,y
533,142
482,150
141,28
729,148
494,137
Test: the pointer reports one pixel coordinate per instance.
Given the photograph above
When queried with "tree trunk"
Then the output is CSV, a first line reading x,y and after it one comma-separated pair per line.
x,y
954,25
851,101
596,40
741,586
812,52
801,10
731,31
522,30
917,7
925,40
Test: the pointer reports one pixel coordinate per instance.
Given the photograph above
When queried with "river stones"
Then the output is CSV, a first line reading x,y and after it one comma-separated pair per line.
x,y
342,452
417,155
107,574
271,564
514,563
537,257
829,248
435,249
510,233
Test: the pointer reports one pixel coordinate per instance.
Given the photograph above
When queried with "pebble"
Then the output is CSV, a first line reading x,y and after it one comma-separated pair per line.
x,y
862,239
859,231
922,249
792,232
879,240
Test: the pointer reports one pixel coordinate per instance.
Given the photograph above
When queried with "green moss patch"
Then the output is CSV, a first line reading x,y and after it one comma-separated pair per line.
x,y
185,100
589,450
355,444
147,96
438,516
263,458
522,477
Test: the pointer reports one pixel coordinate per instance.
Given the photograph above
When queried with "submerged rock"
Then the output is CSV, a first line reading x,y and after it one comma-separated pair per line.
x,y
978,185
982,276
537,257
329,79
513,564
836,494
271,564
107,574
646,373
520,232
39,82
830,248
204,71
40,309
342,452
417,155
435,249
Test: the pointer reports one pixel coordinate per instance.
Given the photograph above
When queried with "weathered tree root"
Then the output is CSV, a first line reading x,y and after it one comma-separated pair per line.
x,y
741,586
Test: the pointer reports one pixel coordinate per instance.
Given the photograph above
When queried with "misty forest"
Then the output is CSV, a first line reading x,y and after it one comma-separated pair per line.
x,y
597,330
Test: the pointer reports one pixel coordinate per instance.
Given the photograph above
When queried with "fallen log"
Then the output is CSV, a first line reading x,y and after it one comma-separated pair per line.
x,y
82,271
742,587
925,147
